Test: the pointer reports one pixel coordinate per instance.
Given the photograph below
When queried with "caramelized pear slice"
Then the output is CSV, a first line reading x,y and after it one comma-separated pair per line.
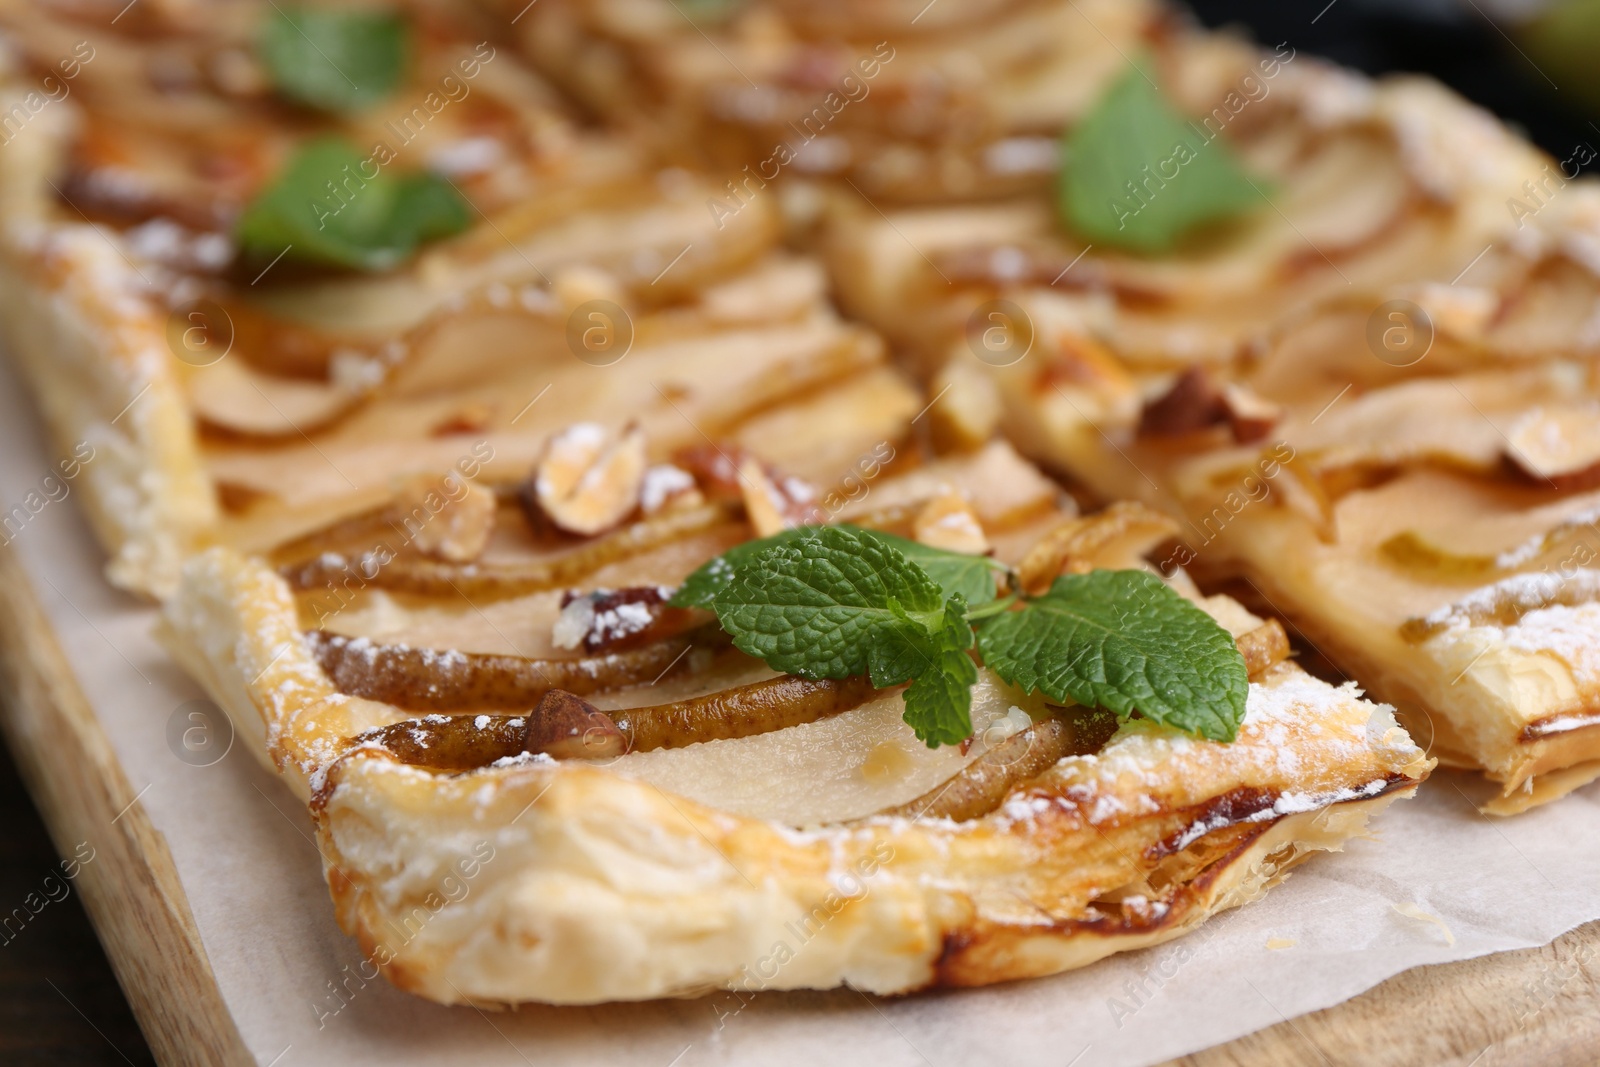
x,y
432,680
983,785
232,395
450,742
382,568
1418,553
565,726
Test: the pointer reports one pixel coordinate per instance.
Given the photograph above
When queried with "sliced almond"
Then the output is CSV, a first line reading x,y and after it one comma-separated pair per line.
x,y
588,482
448,518
948,522
1559,445
1114,538
966,407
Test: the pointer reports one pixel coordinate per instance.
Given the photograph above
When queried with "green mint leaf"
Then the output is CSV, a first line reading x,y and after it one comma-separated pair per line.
x,y
1123,640
335,60
958,574
1136,174
972,577
334,206
939,702
816,604
712,577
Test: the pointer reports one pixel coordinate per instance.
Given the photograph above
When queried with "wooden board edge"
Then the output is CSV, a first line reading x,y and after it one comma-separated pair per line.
x,y
130,889
1537,1005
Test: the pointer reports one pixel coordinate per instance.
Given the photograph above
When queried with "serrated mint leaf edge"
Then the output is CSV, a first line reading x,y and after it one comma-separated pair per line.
x,y
1005,640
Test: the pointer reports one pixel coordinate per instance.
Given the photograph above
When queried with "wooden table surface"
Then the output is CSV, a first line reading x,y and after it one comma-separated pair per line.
x,y
59,1001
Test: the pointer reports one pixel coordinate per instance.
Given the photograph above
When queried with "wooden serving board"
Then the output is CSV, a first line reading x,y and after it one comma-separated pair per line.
x,y
1532,1006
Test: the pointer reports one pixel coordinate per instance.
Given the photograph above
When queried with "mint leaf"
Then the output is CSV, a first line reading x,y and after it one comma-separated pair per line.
x,y
816,604
334,206
1137,174
1123,640
712,577
958,574
939,702
972,577
335,60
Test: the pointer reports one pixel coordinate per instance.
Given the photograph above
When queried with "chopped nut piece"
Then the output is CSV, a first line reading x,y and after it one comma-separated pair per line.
x,y
1191,404
588,483
764,504
668,486
966,410
1558,445
1115,537
719,471
1262,647
448,518
609,620
948,522
1251,417
567,726
1195,403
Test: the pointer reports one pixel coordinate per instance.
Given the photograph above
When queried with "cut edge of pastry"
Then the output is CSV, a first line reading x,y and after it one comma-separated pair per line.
x,y
94,350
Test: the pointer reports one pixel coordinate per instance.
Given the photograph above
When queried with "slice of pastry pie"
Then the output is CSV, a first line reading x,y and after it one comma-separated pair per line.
x,y
262,286
1367,387
905,100
540,776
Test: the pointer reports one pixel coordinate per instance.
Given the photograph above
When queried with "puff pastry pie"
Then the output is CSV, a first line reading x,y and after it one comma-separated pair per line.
x,y
418,529
755,830
240,401
1371,397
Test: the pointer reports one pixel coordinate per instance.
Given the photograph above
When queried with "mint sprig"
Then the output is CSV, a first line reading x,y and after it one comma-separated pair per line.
x,y
1123,640
839,601
939,702
828,604
331,205
334,60
1137,174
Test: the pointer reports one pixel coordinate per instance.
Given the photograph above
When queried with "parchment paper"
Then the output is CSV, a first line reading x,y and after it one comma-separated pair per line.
x,y
244,851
